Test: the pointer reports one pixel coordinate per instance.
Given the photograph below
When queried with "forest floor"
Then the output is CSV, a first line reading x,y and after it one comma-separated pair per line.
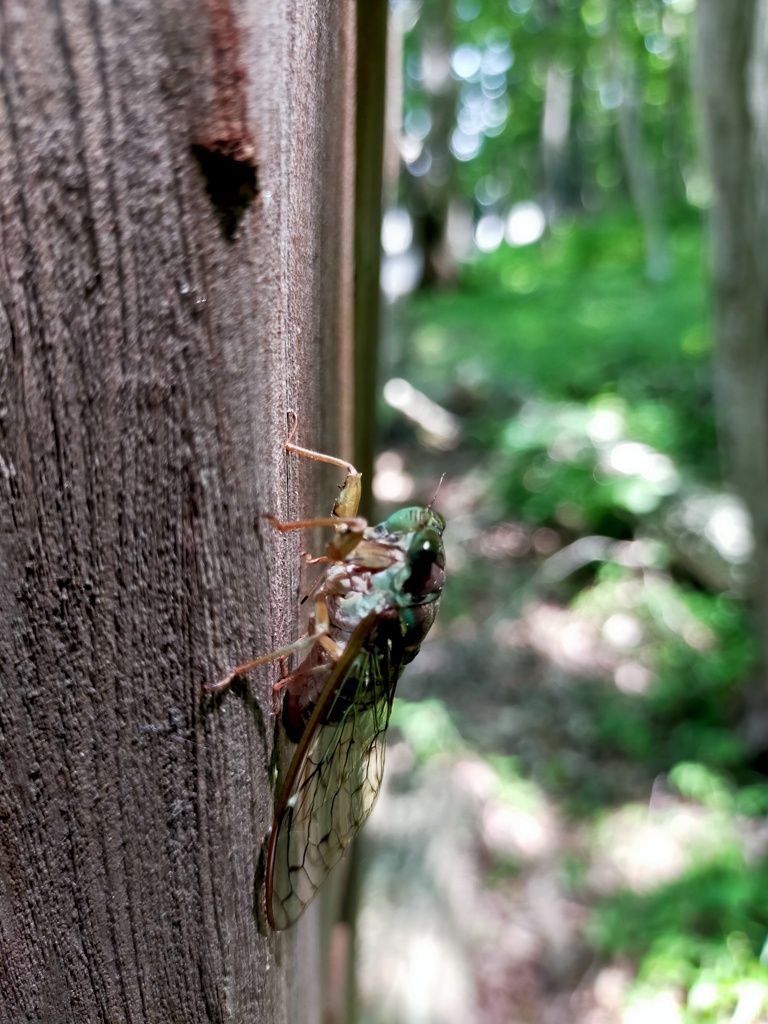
x,y
522,865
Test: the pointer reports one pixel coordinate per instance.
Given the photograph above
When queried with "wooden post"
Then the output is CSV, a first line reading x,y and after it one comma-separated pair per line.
x,y
176,197
369,163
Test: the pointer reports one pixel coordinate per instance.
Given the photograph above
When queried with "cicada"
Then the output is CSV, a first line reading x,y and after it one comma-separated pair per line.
x,y
373,605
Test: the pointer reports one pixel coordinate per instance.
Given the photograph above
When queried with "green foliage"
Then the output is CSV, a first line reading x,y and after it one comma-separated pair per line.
x,y
705,905
572,319
427,728
703,935
504,54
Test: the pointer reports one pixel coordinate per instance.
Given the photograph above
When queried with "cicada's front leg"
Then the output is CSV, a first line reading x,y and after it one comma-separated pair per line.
x,y
348,501
344,518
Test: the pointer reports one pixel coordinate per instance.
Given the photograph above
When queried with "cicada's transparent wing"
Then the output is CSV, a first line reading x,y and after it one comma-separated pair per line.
x,y
334,778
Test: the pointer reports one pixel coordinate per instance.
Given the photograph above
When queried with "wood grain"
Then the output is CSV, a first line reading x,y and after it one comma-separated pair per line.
x,y
147,362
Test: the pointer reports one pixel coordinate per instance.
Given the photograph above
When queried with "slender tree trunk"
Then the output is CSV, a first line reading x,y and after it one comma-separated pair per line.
x,y
640,173
176,210
732,45
560,189
430,194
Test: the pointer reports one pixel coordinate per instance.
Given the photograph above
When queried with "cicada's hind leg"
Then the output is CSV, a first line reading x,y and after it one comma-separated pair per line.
x,y
318,636
276,655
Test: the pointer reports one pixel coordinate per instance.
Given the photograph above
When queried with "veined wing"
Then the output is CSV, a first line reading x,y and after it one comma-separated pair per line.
x,y
336,772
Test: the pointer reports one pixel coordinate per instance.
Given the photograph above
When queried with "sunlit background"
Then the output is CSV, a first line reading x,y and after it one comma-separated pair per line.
x,y
572,827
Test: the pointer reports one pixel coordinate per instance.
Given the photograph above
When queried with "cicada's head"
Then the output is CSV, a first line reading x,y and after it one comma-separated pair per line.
x,y
422,539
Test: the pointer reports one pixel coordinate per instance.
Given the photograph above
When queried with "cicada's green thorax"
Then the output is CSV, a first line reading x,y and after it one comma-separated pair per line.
x,y
412,580
408,520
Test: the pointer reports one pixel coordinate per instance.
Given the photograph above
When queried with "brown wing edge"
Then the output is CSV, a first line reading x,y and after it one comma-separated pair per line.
x,y
338,674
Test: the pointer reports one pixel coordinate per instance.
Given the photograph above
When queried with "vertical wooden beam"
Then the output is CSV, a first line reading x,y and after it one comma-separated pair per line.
x,y
371,90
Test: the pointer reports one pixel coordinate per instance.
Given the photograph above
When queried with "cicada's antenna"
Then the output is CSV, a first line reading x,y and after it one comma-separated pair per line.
x,y
439,485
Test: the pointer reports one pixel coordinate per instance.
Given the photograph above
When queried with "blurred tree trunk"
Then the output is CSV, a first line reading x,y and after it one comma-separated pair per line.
x,y
430,193
559,160
177,187
732,55
640,174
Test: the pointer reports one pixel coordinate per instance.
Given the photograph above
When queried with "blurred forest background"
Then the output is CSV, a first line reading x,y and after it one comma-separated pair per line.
x,y
573,826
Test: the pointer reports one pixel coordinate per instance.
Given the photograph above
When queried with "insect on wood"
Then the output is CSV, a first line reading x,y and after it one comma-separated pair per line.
x,y
373,605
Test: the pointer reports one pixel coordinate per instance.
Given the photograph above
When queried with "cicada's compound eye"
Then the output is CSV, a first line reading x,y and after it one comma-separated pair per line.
x,y
426,557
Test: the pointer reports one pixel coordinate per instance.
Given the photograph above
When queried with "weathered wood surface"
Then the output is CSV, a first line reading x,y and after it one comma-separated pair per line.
x,y
151,343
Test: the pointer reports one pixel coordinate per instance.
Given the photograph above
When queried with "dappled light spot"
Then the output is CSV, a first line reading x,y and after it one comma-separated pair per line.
x,y
564,639
489,232
390,481
400,274
623,631
698,189
712,535
631,677
467,10
515,831
396,231
631,458
417,156
610,986
417,123
525,223
697,635
465,145
611,95
516,818
504,540
509,634
660,1008
441,428
642,849
546,541
730,530
607,423
489,190
465,61
520,280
